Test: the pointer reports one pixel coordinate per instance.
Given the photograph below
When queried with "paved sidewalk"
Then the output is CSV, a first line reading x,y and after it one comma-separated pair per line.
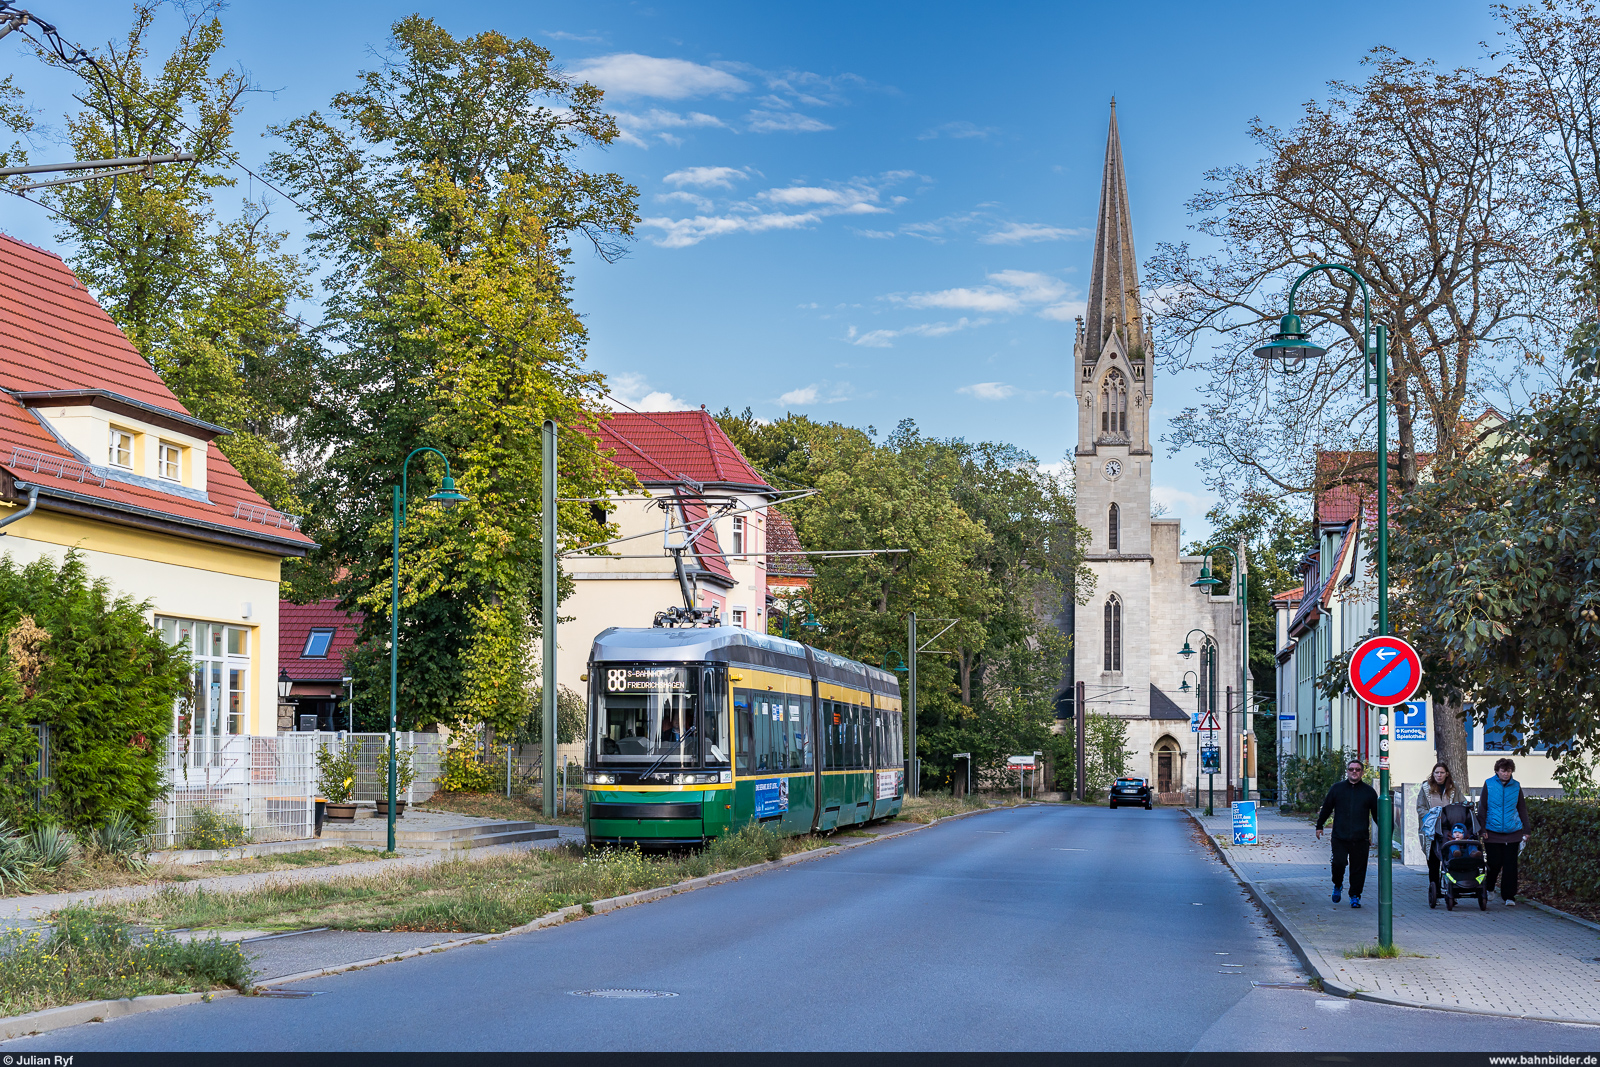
x,y
27,912
1519,961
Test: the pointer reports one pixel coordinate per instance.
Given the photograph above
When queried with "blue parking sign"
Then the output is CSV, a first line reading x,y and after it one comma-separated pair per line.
x,y
1411,721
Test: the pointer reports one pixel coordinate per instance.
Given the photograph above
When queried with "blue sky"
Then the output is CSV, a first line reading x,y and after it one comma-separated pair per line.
x,y
862,212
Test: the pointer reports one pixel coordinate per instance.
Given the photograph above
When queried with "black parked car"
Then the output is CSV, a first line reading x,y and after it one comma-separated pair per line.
x,y
1130,791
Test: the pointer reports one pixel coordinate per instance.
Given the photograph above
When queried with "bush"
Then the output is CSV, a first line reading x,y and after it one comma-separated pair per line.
x,y
120,841
336,770
211,829
50,848
1306,780
92,956
16,860
465,772
91,667
1563,849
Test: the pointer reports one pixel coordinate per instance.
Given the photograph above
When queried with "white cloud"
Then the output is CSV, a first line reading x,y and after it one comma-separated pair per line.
x,y
635,126
1181,502
628,74
681,233
878,235
957,130
886,338
635,392
989,390
707,177
784,122
1065,311
1016,233
1031,287
986,298
804,395
1013,291
857,198
563,35
694,200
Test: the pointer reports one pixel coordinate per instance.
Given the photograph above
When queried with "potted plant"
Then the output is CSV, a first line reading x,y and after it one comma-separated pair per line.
x,y
404,774
336,779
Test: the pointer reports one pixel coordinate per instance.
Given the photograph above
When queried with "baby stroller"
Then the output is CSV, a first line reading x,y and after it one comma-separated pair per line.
x,y
1461,860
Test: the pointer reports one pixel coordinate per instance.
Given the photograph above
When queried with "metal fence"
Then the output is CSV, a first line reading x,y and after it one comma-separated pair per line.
x,y
41,775
264,785
427,762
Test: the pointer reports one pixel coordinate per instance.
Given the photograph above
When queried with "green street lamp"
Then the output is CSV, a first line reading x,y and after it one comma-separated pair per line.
x,y
1293,344
1208,669
810,622
895,652
1207,581
447,496
1185,687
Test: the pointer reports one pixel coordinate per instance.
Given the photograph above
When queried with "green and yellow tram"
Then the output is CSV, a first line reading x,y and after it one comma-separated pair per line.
x,y
694,733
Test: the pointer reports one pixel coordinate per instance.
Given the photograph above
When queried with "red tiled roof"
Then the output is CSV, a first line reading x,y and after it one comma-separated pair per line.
x,y
782,538
54,336
295,623
670,447
706,547
1289,594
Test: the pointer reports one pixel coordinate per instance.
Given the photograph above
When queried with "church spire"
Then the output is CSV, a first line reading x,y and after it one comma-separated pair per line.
x,y
1114,275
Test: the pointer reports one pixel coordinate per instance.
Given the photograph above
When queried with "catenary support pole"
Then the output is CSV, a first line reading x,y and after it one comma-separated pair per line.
x,y
547,619
1081,717
394,647
911,721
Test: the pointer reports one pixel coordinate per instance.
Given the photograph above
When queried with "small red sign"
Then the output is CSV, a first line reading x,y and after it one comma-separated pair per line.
x,y
1385,671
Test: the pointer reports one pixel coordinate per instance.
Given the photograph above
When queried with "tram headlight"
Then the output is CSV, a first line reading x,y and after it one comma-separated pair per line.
x,y
591,778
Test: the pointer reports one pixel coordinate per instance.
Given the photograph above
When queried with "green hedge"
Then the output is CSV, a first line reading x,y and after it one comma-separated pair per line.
x,y
1563,849
90,665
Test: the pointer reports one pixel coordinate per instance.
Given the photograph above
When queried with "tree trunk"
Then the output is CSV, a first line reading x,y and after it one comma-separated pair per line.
x,y
965,660
1450,727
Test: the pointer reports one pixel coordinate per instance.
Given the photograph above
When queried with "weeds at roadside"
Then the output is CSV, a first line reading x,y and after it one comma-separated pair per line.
x,y
1377,952
90,955
933,806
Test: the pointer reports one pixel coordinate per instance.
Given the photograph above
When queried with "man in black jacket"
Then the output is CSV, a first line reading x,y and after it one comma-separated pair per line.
x,y
1352,802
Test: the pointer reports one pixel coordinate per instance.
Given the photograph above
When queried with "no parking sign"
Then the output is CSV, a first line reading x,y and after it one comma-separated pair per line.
x,y
1385,671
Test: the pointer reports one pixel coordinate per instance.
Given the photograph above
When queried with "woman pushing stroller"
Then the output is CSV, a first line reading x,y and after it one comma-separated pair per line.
x,y
1440,789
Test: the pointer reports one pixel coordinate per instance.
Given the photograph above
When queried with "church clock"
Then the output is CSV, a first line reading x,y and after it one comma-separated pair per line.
x,y
1113,468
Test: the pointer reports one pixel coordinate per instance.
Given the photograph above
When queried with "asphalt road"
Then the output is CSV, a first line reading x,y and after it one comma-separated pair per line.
x,y
1045,928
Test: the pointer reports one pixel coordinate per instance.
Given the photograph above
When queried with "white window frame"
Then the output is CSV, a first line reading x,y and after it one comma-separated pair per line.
x,y
740,532
112,451
740,618
220,672
167,454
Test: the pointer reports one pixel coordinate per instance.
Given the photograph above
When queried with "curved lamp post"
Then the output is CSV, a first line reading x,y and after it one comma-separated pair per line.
x,y
447,496
1207,581
1208,656
1292,344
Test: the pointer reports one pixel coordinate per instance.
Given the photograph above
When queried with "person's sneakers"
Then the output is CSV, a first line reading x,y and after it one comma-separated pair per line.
x,y
1511,903
1336,894
1355,902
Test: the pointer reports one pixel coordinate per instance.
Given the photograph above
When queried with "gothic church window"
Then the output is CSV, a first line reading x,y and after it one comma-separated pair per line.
x,y
1114,403
1114,528
1113,658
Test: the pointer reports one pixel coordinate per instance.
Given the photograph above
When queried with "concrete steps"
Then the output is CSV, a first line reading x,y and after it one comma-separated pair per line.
x,y
463,835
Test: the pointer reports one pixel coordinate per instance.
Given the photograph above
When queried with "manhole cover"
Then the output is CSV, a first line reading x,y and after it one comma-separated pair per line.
x,y
623,994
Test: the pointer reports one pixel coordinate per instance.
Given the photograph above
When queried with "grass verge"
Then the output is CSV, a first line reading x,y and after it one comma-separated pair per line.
x,y
90,955
931,806
92,872
519,807
1377,952
467,895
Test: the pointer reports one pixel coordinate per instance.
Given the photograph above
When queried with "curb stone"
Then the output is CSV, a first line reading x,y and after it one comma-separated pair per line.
x,y
101,1010
97,1011
1336,988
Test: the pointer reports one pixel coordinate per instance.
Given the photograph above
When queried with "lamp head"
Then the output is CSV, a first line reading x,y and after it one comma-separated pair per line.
x,y
285,684
1291,343
1186,651
447,494
811,622
1184,688
1205,581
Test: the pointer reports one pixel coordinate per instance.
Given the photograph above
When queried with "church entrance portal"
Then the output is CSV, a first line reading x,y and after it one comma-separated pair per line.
x,y
1166,766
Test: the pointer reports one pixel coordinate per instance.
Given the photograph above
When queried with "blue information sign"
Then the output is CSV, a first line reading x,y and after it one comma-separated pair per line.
x,y
772,797
1411,721
1244,822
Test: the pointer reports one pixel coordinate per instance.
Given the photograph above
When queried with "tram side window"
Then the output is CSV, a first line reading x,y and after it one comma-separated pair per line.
x,y
799,729
772,748
743,714
714,717
832,733
878,745
855,736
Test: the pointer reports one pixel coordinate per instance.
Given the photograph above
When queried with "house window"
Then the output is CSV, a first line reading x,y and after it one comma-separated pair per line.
x,y
738,535
1113,658
1114,404
121,449
169,462
738,616
1114,528
217,702
317,643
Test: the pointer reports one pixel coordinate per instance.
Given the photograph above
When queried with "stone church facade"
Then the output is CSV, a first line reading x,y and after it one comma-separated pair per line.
x,y
1127,637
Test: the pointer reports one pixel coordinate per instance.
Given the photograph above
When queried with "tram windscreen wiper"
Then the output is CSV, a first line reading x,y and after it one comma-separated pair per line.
x,y
663,757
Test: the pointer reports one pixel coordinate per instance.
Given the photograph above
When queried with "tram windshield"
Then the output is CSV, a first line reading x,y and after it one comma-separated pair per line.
x,y
668,716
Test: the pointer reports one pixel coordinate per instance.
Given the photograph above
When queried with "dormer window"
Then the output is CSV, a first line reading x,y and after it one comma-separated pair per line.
x,y
121,452
169,462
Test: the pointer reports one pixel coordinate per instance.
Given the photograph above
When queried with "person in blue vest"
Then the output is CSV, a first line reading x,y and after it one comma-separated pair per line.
x,y
1354,807
1503,813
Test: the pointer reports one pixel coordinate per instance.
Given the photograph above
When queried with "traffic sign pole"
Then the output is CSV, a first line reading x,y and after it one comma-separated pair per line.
x,y
1385,672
